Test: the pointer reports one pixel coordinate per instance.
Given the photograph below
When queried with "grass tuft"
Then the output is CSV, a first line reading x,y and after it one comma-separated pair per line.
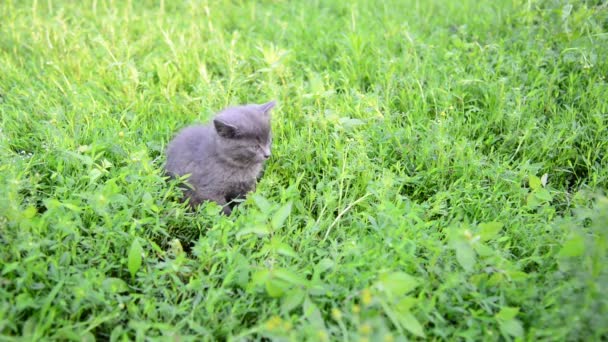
x,y
439,171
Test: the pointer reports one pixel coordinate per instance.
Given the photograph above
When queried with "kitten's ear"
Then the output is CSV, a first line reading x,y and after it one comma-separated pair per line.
x,y
225,130
266,107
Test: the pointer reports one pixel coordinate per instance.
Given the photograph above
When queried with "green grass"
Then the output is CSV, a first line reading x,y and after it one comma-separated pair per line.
x,y
439,170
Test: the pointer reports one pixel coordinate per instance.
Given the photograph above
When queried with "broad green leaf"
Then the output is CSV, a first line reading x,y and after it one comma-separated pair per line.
x,y
87,337
409,322
324,265
483,250
543,195
94,174
573,247
51,203
259,230
29,212
267,248
317,288
506,313
477,279
397,283
285,249
261,203
532,201
83,158
289,276
242,270
405,304
154,208
313,314
9,267
135,257
71,207
259,277
496,279
489,229
115,285
292,299
275,287
241,277
65,335
534,182
350,123
116,333
279,217
146,198
511,327
517,275
465,255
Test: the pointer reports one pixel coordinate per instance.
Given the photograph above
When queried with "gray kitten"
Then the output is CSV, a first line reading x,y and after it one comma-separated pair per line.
x,y
225,158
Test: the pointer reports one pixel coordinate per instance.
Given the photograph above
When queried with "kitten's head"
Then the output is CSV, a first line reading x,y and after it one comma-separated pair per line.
x,y
244,133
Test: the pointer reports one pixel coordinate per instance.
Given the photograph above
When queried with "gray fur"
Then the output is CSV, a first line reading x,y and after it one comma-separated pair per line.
x,y
225,157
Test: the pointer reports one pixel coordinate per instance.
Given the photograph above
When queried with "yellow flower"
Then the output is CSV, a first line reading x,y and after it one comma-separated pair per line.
x,y
356,309
336,314
274,322
287,326
365,329
366,297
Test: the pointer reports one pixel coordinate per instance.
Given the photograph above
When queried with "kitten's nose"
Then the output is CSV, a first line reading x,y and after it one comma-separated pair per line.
x,y
266,153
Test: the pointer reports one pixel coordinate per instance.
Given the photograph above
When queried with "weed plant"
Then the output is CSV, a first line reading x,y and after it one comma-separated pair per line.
x,y
438,173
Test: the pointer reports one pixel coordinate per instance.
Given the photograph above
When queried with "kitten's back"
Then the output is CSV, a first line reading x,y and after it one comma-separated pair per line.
x,y
189,149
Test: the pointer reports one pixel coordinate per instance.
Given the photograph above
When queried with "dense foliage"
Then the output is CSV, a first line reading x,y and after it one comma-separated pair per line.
x,y
438,170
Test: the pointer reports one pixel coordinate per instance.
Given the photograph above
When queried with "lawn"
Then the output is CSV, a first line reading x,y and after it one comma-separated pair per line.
x,y
439,171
